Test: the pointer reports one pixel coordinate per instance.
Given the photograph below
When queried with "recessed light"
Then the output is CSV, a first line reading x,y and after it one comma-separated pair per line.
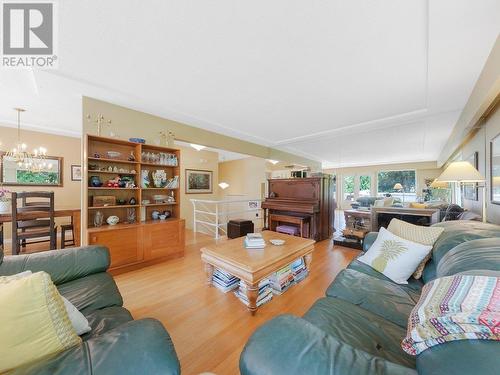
x,y
273,162
197,147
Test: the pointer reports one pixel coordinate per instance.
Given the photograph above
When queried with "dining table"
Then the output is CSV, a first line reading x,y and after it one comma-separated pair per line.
x,y
73,213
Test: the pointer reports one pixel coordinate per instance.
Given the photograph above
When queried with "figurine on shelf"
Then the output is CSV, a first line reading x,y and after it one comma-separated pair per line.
x,y
145,179
171,197
115,182
98,219
131,157
132,201
131,215
155,215
97,155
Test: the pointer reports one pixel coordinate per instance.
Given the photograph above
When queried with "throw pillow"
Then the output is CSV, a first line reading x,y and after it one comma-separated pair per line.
x,y
394,256
417,205
78,320
38,324
388,202
416,233
378,203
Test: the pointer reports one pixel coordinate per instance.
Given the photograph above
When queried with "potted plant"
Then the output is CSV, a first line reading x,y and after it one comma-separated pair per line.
x,y
4,200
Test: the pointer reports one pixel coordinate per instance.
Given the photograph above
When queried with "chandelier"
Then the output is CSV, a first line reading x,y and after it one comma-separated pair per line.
x,y
32,161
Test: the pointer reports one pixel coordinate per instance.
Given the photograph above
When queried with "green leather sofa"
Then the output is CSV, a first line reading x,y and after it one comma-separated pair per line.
x,y
358,326
117,344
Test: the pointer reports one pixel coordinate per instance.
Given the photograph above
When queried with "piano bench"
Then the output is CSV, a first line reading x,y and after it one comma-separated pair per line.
x,y
288,229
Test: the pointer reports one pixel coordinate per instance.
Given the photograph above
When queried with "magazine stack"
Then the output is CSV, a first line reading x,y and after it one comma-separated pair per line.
x,y
254,241
281,280
265,293
224,281
299,270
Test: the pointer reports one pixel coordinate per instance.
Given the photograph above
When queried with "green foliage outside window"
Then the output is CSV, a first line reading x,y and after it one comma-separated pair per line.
x,y
387,180
364,183
349,184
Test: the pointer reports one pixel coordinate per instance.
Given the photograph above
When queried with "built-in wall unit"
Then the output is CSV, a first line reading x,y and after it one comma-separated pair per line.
x,y
132,201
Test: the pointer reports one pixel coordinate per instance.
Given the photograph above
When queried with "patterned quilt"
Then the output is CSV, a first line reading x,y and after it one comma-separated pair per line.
x,y
454,308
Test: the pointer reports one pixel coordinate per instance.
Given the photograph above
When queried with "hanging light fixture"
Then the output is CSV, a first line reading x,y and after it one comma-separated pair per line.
x,y
34,161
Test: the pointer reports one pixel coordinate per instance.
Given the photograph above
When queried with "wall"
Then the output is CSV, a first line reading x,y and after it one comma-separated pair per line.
x,y
67,196
192,159
424,170
480,143
246,179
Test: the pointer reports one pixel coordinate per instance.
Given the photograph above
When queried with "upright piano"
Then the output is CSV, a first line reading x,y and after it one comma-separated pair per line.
x,y
306,202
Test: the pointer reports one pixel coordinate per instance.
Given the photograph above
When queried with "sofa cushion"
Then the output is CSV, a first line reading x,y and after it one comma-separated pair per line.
x,y
137,347
360,328
385,298
473,257
92,292
104,320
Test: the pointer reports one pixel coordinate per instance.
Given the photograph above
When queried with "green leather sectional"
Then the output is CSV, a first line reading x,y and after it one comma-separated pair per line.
x,y
117,344
358,326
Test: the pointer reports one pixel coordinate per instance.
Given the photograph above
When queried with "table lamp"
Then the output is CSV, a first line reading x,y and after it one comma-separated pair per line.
x,y
463,172
398,186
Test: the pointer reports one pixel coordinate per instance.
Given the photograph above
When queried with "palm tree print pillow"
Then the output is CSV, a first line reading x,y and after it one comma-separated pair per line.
x,y
394,256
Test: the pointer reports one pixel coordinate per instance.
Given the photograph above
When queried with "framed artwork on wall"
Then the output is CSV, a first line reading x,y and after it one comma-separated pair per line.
x,y
49,172
198,181
470,190
495,169
76,173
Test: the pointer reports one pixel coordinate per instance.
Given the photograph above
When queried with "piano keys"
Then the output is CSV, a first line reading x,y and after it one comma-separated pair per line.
x,y
308,202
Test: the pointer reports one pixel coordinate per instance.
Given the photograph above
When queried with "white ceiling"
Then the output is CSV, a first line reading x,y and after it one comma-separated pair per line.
x,y
224,155
344,82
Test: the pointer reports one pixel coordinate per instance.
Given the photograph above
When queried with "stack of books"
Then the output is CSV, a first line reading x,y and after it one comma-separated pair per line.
x,y
281,280
299,270
254,241
265,293
224,281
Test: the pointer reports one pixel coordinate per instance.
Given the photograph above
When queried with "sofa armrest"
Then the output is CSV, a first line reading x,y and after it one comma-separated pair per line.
x,y
137,347
62,265
288,345
369,240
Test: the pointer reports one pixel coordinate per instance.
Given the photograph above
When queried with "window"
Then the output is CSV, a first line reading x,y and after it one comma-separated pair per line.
x,y
349,188
387,179
365,188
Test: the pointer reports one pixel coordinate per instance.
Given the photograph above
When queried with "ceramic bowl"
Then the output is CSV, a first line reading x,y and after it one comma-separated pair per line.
x,y
162,217
277,242
112,220
137,140
160,197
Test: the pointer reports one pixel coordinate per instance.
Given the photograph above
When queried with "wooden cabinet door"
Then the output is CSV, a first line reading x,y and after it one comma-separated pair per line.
x,y
125,245
164,240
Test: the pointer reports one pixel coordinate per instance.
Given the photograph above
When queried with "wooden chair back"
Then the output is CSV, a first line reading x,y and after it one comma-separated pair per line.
x,y
34,218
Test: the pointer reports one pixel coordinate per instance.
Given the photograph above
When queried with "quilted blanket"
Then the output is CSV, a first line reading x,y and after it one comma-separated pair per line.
x,y
460,307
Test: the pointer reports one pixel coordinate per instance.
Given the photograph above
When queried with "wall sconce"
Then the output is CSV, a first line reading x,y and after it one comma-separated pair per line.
x,y
223,185
273,162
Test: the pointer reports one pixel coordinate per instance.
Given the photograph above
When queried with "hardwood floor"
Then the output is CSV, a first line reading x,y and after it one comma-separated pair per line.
x,y
209,328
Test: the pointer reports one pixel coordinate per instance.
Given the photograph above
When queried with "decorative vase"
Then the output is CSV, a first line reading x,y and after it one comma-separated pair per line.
x,y
167,214
5,206
159,178
155,215
98,219
95,181
132,201
131,215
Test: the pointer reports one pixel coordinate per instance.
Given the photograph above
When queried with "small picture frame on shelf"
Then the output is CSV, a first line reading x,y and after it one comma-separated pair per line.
x,y
198,181
76,172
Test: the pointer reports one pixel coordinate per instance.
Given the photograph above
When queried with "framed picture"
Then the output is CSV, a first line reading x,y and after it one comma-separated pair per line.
x,y
470,190
495,169
76,173
198,181
49,173
253,205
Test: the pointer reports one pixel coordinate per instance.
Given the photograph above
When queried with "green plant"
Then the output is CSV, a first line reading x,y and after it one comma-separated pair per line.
x,y
389,250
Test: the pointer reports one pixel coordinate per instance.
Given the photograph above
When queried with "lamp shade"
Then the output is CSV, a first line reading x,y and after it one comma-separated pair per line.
x,y
398,186
439,184
461,171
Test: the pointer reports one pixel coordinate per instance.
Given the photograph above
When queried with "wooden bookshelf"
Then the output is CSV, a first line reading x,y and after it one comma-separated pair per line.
x,y
144,241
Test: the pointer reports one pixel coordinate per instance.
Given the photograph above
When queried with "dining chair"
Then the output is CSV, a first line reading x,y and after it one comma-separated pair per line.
x,y
33,219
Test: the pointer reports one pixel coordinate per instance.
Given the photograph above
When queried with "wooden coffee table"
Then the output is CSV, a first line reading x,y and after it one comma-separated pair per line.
x,y
253,265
